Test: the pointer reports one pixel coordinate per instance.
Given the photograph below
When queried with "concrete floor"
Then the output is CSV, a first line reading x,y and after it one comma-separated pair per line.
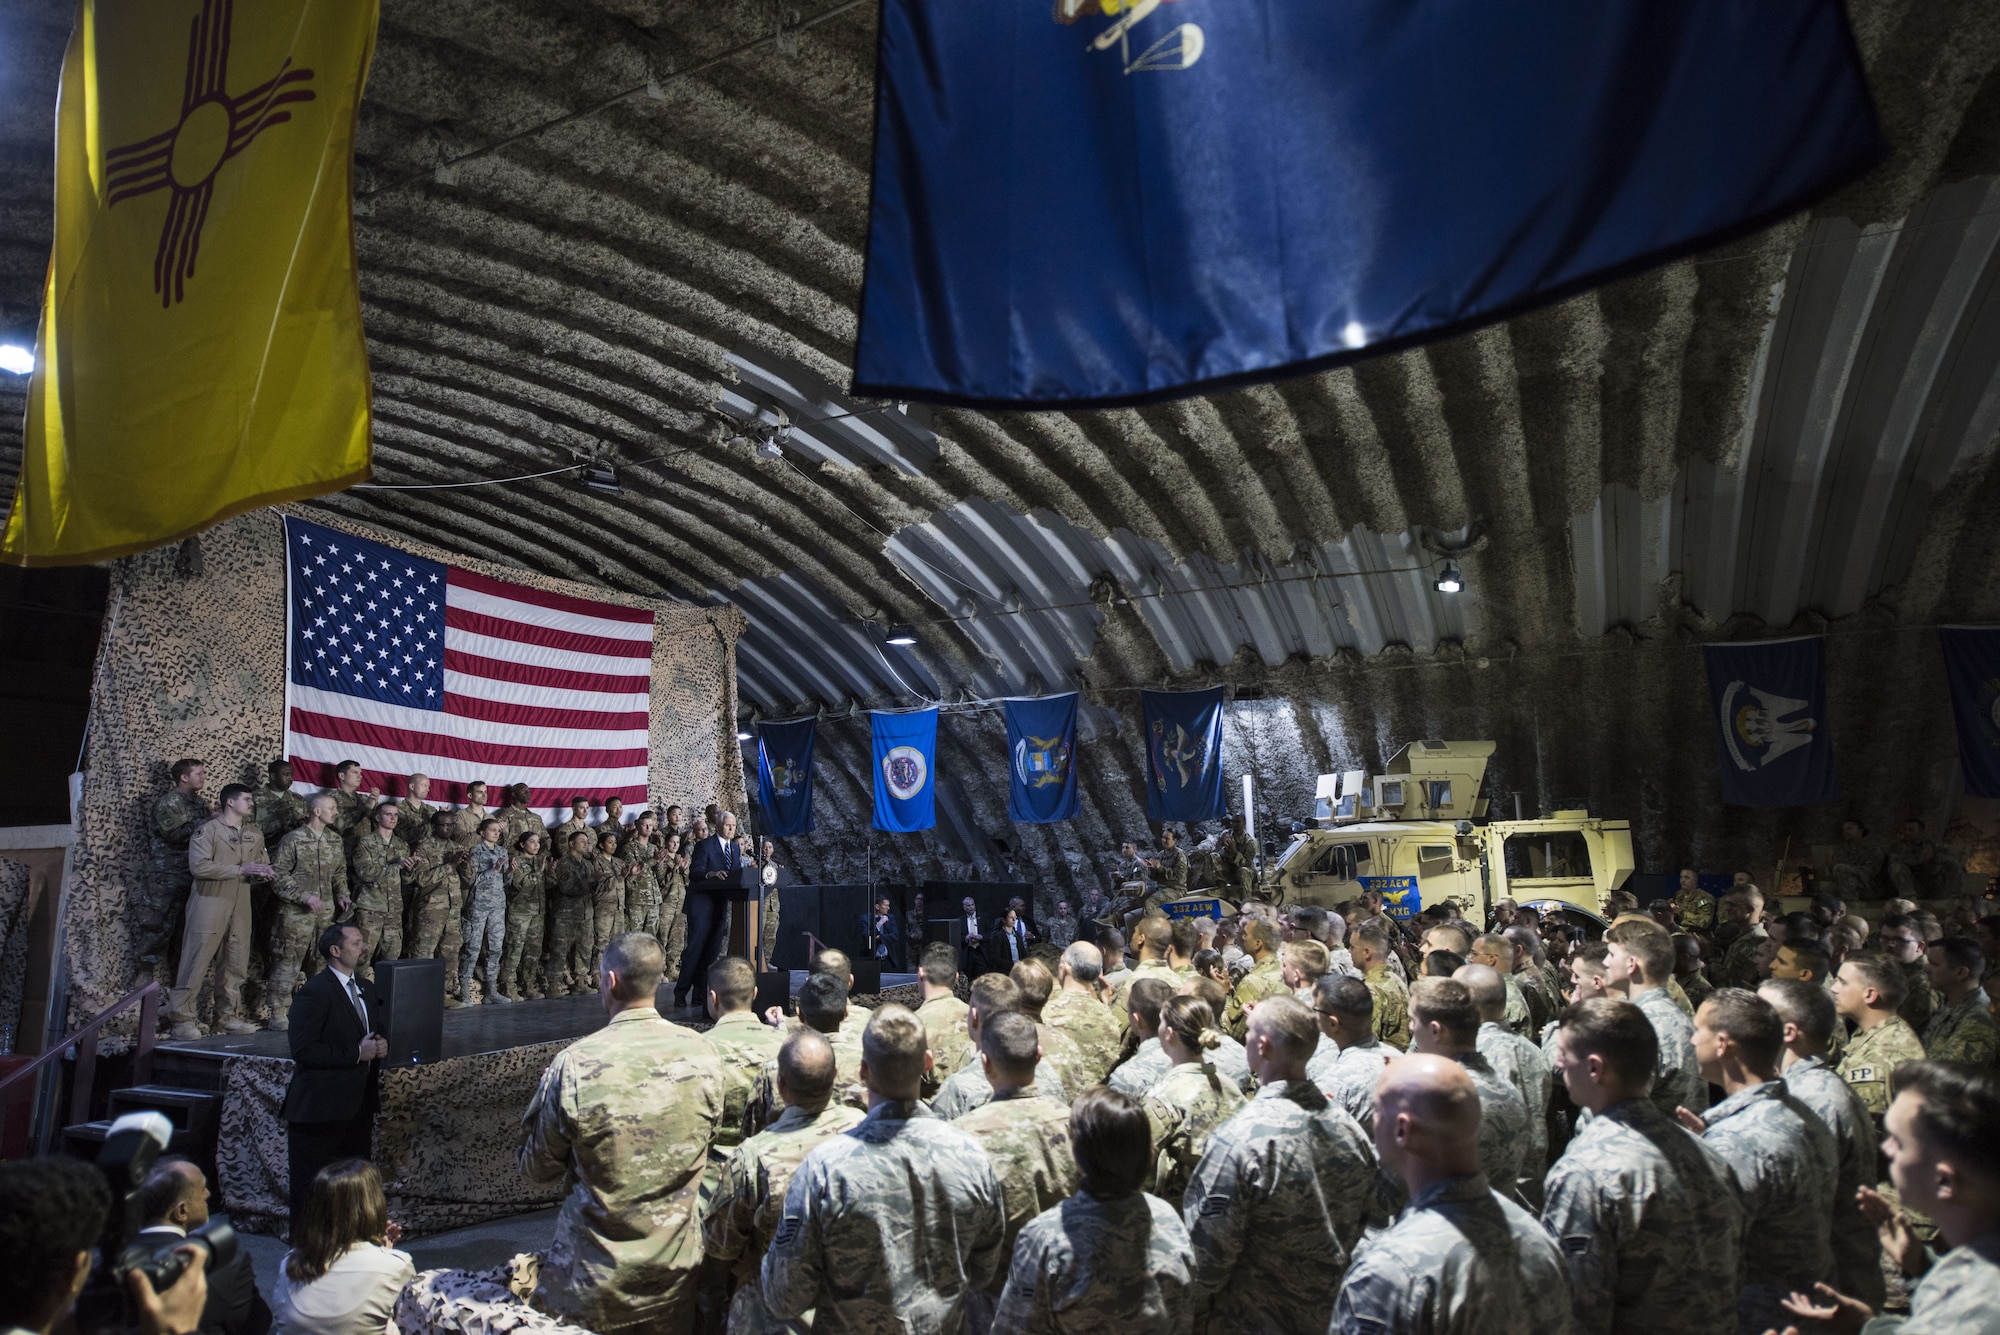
x,y
474,1248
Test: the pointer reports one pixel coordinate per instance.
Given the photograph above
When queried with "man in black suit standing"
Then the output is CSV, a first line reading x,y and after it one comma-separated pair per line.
x,y
711,871
971,940
881,934
337,1052
174,1202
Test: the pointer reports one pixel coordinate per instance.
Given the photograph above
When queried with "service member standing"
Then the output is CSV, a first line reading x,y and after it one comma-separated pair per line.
x,y
1191,1099
222,857
157,913
433,889
625,1117
485,923
744,1043
351,805
1076,1011
1646,1215
1369,944
1868,990
414,826
1261,940
1638,961
527,908
673,899
611,875
571,878
311,886
1445,1023
379,861
892,1225
279,809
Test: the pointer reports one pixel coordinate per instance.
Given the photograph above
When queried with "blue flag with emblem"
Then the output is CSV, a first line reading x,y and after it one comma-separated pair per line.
x,y
1769,699
1110,201
905,770
1041,759
1972,665
785,776
1184,755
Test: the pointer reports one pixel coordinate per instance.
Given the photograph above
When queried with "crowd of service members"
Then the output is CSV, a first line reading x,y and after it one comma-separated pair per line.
x,y
1283,1135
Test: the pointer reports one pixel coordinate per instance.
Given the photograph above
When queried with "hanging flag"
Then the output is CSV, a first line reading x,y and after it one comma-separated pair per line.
x,y
200,351
1110,201
1770,720
1041,759
413,666
1972,664
785,776
905,770
1184,755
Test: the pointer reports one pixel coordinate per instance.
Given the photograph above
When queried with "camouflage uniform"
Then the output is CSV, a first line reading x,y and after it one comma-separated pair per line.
x,y
1089,1023
1960,1293
464,834
1275,1210
1520,1016
1065,1055
1121,995
1265,979
517,821
527,907
1096,1264
1460,1260
642,889
1873,1055
624,1115
1694,909
607,902
1026,1135
767,923
1060,932
1785,1165
350,813
742,1213
745,1044
378,896
1857,1251
1739,962
1677,1078
279,811
673,919
413,825
435,899
1173,874
1522,1065
859,1208
157,913
967,1088
763,1106
1137,1074
569,884
1649,1224
559,834
1920,999
485,921
1503,1126
309,865
1188,1103
1348,1079
1392,1006
1963,1033
943,1019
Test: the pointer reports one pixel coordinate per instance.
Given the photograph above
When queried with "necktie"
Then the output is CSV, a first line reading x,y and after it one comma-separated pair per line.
x,y
360,1006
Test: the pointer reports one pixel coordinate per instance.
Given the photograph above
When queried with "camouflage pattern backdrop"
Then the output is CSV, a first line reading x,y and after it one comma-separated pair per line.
x,y
192,664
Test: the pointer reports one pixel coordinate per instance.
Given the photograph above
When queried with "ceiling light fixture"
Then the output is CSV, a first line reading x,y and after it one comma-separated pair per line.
x,y
1450,581
900,635
742,735
15,359
603,479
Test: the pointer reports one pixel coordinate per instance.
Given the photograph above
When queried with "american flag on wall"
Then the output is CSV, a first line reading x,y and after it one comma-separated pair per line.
x,y
413,666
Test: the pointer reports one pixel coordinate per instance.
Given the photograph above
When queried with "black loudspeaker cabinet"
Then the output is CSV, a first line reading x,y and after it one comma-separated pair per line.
x,y
412,994
798,913
773,989
867,977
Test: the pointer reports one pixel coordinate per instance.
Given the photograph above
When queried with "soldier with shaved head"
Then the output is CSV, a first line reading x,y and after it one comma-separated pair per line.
x,y
1461,1257
1076,1011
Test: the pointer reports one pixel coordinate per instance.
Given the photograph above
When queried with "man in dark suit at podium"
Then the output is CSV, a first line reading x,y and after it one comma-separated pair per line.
x,y
337,1050
712,869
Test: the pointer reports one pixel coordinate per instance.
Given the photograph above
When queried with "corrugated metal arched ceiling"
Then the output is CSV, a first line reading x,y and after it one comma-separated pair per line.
x,y
1798,424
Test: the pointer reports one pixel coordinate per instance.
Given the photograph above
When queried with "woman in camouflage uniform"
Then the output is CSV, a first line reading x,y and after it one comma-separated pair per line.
x,y
673,898
521,962
1191,1099
607,893
641,853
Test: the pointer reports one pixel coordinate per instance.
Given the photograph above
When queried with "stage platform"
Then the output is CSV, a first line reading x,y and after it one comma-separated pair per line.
x,y
446,1137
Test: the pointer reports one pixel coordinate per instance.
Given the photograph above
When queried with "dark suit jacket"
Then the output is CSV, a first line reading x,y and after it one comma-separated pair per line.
x,y
234,1305
712,855
892,934
998,956
328,1084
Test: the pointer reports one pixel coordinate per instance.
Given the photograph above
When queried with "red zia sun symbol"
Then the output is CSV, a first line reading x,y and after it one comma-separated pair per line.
x,y
214,127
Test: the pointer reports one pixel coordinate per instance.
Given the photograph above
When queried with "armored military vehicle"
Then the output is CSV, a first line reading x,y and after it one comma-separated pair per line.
x,y
1419,834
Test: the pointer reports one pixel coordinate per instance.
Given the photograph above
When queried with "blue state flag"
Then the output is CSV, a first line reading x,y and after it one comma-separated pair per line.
x,y
1972,665
905,770
1184,755
785,776
1041,759
1769,699
1113,201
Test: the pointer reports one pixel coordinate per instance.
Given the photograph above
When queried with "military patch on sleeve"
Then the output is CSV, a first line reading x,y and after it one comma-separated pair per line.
x,y
1576,1244
789,1230
1214,1205
1861,1075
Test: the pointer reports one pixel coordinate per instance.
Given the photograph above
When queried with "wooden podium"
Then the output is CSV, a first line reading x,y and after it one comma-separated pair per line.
x,y
745,896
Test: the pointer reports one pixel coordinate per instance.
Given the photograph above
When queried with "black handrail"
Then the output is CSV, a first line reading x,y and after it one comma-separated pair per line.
x,y
84,1041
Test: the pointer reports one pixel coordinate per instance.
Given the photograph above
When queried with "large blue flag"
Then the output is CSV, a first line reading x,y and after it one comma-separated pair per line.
x,y
1184,755
1972,664
1770,719
905,770
785,776
1041,759
1115,200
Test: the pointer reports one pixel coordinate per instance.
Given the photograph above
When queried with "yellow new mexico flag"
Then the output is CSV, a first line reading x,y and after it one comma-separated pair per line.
x,y
200,351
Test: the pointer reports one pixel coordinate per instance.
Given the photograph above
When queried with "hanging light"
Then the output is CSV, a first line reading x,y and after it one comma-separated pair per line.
x,y
902,636
1450,581
15,359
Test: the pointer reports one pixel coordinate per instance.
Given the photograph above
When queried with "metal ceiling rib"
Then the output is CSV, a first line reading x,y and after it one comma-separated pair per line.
x,y
1879,374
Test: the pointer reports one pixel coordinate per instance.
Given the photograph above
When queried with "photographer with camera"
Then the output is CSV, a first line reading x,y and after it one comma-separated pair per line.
x,y
53,1212
175,1203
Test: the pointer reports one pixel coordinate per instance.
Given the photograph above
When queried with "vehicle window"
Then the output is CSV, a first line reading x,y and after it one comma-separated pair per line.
x,y
1440,792
1342,861
1434,852
1555,855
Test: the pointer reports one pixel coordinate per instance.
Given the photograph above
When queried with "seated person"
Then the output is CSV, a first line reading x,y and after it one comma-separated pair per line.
x,y
174,1201
343,1273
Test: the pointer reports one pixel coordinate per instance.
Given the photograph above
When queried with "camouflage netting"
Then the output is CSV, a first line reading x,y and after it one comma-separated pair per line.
x,y
15,908
192,664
